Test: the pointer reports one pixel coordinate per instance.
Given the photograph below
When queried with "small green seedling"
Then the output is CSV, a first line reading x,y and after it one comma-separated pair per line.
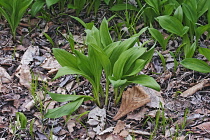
x,y
13,11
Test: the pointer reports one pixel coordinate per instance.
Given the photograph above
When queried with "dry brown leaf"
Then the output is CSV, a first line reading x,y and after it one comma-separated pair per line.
x,y
119,127
138,116
155,98
4,76
50,64
132,99
195,88
204,126
28,56
24,74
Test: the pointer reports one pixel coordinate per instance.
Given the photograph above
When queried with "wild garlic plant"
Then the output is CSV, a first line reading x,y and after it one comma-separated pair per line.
x,y
119,62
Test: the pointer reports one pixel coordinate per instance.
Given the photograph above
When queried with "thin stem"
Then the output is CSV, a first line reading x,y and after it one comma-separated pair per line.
x,y
107,92
115,95
120,96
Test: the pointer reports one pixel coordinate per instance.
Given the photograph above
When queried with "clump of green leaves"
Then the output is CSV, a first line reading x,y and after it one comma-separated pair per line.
x,y
13,11
196,64
119,62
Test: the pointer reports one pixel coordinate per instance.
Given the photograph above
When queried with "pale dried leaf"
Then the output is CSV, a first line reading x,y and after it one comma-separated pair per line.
x,y
24,74
138,116
28,56
204,126
124,133
155,98
139,132
70,125
4,76
97,117
195,88
119,127
50,64
132,99
108,130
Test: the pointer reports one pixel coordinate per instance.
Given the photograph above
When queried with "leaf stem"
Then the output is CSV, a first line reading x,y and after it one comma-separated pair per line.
x,y
107,92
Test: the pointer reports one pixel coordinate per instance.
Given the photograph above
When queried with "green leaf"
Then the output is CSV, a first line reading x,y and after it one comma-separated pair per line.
x,y
67,97
203,6
159,37
146,81
121,48
119,65
190,13
179,13
205,52
172,25
121,7
196,64
107,2
83,63
104,33
136,67
116,83
51,2
138,53
37,6
67,109
22,119
65,58
200,30
80,21
190,50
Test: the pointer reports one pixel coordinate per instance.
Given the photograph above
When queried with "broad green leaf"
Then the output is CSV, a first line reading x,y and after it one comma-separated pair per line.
x,y
93,37
135,68
83,63
205,52
179,13
51,2
196,64
69,70
65,58
190,50
67,97
109,49
95,67
133,58
168,9
22,119
119,65
148,55
172,25
200,30
120,7
67,109
190,13
37,6
155,4
158,36
203,6
104,33
103,58
121,48
116,83
146,81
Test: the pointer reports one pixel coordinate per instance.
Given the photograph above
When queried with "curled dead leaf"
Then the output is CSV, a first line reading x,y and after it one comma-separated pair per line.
x,y
195,88
4,76
132,99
